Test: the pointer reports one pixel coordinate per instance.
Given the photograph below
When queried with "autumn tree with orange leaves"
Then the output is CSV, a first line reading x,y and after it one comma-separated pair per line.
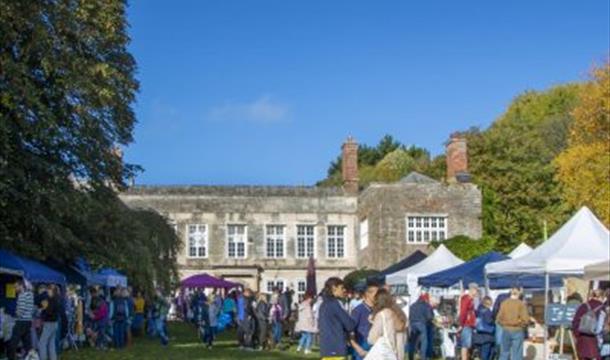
x,y
583,168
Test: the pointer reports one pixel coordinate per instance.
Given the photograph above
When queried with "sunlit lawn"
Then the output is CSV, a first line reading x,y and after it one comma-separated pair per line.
x,y
184,344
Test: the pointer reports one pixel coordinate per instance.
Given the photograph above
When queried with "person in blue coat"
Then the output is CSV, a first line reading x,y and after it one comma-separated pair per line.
x,y
421,316
485,329
335,324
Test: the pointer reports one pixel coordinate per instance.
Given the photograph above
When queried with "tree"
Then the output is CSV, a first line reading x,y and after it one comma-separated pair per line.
x,y
512,162
467,248
388,161
66,91
583,168
358,277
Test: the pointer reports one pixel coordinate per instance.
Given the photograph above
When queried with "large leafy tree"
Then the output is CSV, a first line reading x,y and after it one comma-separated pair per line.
x,y
66,90
584,166
512,162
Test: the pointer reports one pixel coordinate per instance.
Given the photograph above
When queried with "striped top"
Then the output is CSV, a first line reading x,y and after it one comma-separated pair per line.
x,y
25,306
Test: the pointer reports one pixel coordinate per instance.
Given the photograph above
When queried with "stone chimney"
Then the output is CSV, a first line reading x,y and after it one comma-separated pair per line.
x,y
457,159
349,166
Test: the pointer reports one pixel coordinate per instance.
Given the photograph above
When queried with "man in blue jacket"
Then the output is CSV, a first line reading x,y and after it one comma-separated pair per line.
x,y
361,315
334,322
420,319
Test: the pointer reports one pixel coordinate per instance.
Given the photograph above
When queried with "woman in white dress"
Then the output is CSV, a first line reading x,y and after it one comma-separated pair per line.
x,y
386,311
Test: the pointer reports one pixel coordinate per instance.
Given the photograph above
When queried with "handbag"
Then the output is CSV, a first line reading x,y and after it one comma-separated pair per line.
x,y
382,349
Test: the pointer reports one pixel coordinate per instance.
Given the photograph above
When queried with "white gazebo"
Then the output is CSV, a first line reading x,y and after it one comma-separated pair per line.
x,y
521,250
581,241
439,260
599,271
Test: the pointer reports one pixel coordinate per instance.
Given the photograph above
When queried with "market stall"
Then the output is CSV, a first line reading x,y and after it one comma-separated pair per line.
x,y
439,260
31,270
521,250
599,271
111,278
581,241
207,281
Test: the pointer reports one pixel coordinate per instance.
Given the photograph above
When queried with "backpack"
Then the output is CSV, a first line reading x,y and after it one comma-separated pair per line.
x,y
588,322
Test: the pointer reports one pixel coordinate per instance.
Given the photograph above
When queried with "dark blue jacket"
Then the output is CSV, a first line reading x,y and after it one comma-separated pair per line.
x,y
499,300
485,320
335,326
420,312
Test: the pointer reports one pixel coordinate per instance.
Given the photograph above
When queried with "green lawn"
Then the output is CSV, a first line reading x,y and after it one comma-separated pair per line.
x,y
184,344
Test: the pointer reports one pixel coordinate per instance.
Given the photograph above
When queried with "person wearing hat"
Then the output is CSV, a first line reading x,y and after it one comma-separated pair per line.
x,y
23,321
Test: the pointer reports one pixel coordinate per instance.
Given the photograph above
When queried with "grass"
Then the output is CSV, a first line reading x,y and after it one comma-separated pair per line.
x,y
184,344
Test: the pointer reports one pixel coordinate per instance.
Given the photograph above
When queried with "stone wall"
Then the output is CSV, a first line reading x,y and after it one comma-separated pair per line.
x,y
254,207
386,206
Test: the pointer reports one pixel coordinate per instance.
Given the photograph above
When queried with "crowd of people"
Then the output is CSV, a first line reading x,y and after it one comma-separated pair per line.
x,y
47,319
379,323
358,325
261,320
349,325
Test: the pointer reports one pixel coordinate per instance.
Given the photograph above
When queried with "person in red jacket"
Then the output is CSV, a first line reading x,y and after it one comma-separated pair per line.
x,y
468,318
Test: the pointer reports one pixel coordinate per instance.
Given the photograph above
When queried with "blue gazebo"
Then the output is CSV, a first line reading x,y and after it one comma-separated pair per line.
x,y
31,270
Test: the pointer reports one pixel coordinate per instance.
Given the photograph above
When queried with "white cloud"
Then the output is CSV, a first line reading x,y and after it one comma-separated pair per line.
x,y
264,109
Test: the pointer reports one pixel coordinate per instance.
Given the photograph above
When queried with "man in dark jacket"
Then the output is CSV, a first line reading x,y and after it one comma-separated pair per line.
x,y
420,319
334,322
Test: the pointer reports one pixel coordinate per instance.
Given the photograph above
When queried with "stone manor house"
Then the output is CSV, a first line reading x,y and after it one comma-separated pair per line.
x,y
263,236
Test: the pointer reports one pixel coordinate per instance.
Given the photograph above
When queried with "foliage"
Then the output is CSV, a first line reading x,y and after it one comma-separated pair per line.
x,y
583,168
357,276
467,248
512,163
389,161
66,91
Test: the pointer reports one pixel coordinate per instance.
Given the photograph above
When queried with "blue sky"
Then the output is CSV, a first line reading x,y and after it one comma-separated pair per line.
x,y
265,92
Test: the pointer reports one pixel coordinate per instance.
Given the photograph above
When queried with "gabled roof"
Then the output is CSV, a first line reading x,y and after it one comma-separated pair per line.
x,y
408,261
581,241
521,250
441,259
416,178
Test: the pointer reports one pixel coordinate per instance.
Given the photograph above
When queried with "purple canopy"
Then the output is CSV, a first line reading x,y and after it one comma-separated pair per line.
x,y
207,281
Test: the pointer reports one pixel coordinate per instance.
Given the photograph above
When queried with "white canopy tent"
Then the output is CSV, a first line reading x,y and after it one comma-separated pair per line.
x,y
599,271
581,241
439,260
521,250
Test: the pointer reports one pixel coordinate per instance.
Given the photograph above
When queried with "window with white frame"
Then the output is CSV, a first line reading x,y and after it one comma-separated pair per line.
x,y
197,240
335,241
306,242
274,241
236,241
425,228
364,233
271,285
301,289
